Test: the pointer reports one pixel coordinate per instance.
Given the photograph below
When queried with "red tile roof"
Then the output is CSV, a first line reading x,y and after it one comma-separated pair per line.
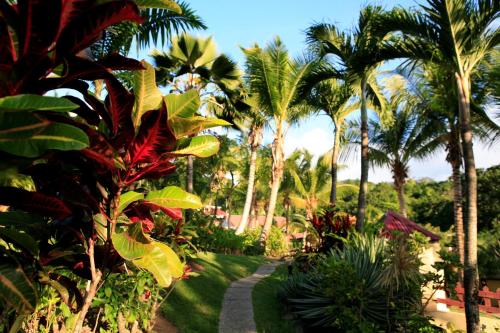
x,y
396,222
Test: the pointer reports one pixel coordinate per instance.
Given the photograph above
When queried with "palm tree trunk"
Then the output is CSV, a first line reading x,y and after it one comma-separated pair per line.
x,y
454,158
363,182
255,137
335,157
401,197
471,283
278,164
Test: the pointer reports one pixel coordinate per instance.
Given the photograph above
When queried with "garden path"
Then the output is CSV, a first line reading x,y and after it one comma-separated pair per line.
x,y
237,308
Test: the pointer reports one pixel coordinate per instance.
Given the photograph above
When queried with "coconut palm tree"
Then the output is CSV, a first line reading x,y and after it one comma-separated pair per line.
x,y
356,59
432,87
254,139
310,182
276,79
410,136
458,35
334,98
194,63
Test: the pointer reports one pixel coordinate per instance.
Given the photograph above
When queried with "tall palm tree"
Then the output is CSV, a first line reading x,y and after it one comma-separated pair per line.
x,y
276,79
194,63
455,34
255,136
334,98
355,56
408,137
439,104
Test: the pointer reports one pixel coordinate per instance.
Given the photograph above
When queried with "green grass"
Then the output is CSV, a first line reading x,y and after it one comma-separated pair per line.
x,y
195,304
268,311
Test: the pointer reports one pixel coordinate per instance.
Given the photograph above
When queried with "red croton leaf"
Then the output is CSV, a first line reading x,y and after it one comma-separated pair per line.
x,y
139,213
119,103
38,26
7,51
34,202
152,171
84,29
116,61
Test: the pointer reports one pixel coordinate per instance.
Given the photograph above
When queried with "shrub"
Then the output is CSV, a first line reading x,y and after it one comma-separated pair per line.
x,y
276,245
368,285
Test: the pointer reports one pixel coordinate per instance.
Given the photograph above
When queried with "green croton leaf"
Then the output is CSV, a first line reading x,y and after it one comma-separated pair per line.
x,y
147,95
160,4
162,262
29,102
16,290
20,239
174,197
182,105
146,253
200,146
127,198
183,127
24,134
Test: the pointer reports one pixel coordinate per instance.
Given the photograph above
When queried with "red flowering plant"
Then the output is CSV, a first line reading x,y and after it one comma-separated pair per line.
x,y
85,156
332,227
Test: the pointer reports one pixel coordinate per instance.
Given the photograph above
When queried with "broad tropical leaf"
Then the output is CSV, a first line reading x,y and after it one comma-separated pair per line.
x,y
162,262
16,290
28,135
29,102
128,198
147,95
20,239
182,105
174,197
34,202
200,146
131,242
183,127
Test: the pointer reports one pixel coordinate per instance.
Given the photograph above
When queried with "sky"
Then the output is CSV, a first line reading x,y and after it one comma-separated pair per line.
x,y
237,23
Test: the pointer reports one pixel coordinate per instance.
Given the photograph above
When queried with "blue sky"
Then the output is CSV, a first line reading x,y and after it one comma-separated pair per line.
x,y
235,23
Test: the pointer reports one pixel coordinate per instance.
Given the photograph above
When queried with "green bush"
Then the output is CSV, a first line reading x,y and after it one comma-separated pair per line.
x,y
276,243
369,285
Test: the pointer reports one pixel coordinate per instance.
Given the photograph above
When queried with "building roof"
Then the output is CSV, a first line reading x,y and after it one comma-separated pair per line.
x,y
396,222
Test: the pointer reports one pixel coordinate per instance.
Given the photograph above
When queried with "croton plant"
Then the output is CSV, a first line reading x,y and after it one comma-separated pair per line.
x,y
88,214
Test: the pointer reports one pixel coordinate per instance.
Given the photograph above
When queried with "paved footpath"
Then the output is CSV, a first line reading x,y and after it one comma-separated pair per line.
x,y
237,308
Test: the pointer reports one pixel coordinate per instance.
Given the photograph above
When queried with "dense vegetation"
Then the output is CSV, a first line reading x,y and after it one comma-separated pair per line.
x,y
112,176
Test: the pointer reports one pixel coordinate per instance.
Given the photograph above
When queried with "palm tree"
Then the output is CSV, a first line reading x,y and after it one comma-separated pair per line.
x,y
355,56
432,88
334,98
455,34
408,137
310,182
276,79
194,63
254,140
162,19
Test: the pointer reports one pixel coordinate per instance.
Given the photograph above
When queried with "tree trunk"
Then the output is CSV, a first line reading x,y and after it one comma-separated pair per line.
x,y
287,217
401,197
363,182
278,164
335,157
255,137
454,158
471,283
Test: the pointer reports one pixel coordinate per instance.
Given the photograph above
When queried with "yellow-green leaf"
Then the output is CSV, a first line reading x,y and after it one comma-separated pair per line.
x,y
127,198
200,146
174,197
147,95
182,105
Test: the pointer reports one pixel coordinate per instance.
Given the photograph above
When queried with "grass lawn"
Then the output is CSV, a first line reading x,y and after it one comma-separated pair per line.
x,y
268,311
195,304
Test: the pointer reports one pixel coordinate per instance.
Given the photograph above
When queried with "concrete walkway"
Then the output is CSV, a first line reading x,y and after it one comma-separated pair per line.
x,y
237,309
456,317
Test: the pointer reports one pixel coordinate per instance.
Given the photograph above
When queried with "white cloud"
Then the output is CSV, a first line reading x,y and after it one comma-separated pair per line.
x,y
316,140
